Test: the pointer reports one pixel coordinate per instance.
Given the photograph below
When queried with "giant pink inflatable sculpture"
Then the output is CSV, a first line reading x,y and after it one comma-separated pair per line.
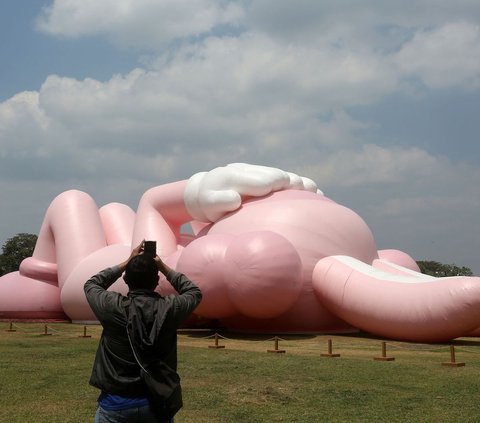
x,y
270,252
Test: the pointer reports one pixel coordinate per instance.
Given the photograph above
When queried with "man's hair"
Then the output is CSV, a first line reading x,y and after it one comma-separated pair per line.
x,y
141,272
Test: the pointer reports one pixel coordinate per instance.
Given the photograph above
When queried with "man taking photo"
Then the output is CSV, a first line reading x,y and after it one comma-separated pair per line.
x,y
152,322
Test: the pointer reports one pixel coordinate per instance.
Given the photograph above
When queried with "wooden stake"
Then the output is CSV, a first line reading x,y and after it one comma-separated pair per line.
x,y
452,362
216,346
329,353
276,350
384,357
45,333
85,333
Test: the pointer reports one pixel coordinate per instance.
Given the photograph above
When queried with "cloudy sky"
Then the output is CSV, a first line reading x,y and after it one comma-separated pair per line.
x,y
377,101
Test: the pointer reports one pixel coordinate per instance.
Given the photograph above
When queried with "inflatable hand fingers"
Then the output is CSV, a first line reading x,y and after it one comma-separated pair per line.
x,y
210,195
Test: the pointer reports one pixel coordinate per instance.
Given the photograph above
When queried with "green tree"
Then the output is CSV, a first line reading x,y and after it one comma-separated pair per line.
x,y
15,250
434,268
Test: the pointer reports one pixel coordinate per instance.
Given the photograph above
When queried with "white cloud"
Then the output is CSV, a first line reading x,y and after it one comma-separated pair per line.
x,y
20,104
230,94
137,23
22,124
369,22
444,57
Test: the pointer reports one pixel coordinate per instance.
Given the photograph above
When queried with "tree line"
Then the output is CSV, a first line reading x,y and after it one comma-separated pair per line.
x,y
22,245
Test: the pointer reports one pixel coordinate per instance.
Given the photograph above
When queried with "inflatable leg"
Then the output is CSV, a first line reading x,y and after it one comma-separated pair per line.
x,y
407,307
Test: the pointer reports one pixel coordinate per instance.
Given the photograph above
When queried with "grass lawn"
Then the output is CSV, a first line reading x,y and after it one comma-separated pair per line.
x,y
45,378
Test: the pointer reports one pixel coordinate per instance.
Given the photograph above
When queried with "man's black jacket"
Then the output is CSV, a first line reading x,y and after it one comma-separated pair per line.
x,y
153,320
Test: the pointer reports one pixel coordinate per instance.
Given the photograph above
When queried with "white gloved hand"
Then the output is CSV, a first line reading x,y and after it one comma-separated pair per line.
x,y
210,195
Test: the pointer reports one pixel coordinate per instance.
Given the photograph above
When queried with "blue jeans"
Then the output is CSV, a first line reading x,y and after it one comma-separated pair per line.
x,y
131,415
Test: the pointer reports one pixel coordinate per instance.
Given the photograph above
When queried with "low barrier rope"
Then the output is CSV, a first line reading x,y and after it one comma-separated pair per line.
x,y
420,347
463,349
230,339
48,329
295,344
56,331
24,330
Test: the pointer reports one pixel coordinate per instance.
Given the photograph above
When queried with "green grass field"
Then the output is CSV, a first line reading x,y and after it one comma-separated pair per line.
x,y
45,378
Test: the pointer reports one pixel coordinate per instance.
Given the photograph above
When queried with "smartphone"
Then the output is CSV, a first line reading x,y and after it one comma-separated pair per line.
x,y
150,248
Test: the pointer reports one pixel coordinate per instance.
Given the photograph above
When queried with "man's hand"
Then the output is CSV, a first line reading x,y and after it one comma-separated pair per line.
x,y
162,267
135,252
